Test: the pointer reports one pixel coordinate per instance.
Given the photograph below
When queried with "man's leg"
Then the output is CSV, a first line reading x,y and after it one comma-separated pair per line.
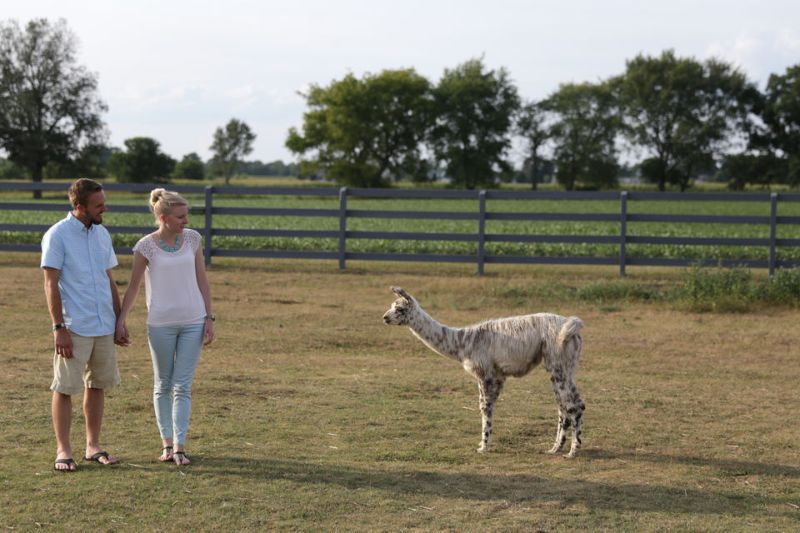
x,y
101,374
61,409
93,406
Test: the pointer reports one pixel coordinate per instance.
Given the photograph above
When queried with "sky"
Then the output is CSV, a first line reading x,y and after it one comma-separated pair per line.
x,y
175,70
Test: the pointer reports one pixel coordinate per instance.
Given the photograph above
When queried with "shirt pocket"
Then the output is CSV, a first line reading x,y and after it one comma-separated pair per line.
x,y
103,253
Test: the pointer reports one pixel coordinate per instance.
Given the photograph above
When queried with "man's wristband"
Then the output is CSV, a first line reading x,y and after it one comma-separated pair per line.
x,y
212,317
58,326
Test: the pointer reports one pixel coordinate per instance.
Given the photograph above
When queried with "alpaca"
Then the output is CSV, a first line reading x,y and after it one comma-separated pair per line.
x,y
493,350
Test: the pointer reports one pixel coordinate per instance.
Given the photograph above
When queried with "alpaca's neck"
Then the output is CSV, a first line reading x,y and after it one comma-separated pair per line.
x,y
436,336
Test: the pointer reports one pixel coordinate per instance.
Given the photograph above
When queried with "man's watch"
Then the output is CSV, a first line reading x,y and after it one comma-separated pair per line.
x,y
58,326
212,317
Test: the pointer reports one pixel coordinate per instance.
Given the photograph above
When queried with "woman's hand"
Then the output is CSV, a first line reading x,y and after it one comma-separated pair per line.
x,y
208,333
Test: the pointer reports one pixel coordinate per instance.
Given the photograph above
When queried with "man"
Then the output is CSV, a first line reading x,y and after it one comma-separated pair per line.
x,y
77,258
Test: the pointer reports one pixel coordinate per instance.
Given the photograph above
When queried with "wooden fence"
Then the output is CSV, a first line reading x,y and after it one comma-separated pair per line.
x,y
480,215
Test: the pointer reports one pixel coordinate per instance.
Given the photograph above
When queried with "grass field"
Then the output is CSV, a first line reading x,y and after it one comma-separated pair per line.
x,y
311,414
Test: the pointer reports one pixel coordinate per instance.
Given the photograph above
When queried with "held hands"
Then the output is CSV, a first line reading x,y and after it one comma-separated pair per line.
x,y
121,335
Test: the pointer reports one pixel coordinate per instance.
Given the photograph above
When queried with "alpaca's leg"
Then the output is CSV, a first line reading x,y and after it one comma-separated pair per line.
x,y
575,412
489,391
561,431
559,386
570,412
482,407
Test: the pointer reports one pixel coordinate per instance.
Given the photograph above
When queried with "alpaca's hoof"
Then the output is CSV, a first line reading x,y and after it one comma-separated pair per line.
x,y
483,449
571,454
553,451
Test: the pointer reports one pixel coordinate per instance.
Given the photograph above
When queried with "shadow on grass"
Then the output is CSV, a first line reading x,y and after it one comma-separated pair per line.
x,y
728,466
515,488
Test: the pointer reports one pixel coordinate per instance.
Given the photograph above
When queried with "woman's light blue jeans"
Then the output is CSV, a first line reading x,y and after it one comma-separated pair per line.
x,y
175,351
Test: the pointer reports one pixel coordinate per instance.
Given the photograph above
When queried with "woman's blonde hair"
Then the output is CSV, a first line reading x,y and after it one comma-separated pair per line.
x,y
162,201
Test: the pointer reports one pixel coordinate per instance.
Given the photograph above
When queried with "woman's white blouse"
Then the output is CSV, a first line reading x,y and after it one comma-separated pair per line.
x,y
170,281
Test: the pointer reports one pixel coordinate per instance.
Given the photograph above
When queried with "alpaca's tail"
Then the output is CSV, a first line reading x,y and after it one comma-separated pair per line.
x,y
571,327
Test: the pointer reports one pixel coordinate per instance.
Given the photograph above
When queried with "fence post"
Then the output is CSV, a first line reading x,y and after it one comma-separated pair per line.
x,y
209,204
773,232
481,230
623,230
342,226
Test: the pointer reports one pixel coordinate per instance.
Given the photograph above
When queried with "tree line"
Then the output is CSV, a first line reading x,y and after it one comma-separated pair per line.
x,y
684,118
672,118
51,124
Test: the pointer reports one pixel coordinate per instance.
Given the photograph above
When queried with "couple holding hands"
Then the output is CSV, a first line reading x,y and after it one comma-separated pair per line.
x,y
89,318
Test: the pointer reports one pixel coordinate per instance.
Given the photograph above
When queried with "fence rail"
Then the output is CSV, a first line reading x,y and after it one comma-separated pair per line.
x,y
480,215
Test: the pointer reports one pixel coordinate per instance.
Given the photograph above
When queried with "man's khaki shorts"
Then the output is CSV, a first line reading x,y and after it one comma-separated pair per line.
x,y
93,365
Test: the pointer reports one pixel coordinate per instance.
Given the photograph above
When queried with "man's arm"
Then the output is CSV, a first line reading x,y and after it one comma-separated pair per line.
x,y
61,338
119,340
114,294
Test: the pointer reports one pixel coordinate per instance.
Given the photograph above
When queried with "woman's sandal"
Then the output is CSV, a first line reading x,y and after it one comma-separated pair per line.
x,y
178,457
166,454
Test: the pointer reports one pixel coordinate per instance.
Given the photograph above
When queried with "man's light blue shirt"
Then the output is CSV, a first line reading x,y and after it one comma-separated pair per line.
x,y
83,255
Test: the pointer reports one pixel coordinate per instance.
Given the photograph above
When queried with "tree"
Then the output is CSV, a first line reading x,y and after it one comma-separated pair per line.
x,y
49,109
781,117
584,132
11,171
91,161
474,109
191,167
274,168
760,169
682,112
141,162
230,145
365,132
532,126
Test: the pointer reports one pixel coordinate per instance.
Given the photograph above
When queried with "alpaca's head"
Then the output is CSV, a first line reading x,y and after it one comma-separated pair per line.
x,y
402,309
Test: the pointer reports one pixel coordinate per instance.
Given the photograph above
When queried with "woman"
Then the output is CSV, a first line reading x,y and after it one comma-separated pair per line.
x,y
179,319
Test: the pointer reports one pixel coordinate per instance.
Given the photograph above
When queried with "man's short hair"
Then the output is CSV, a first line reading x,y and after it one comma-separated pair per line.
x,y
81,190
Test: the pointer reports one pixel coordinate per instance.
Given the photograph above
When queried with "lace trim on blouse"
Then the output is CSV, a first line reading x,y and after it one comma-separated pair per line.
x,y
147,245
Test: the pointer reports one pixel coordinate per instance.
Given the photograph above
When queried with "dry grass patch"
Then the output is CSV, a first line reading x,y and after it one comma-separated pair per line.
x,y
311,414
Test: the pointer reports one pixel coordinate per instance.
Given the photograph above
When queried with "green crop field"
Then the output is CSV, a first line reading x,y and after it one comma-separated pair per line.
x,y
715,252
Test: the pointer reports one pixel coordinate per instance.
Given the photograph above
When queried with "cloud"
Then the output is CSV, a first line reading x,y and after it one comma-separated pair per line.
x,y
787,42
157,96
759,54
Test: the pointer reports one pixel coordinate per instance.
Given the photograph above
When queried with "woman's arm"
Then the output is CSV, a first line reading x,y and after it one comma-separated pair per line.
x,y
137,272
205,290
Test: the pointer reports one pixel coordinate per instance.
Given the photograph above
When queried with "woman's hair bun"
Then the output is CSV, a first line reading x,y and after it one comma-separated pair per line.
x,y
156,194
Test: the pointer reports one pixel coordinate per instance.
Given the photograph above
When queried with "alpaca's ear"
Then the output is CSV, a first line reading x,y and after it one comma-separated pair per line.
x,y
401,293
